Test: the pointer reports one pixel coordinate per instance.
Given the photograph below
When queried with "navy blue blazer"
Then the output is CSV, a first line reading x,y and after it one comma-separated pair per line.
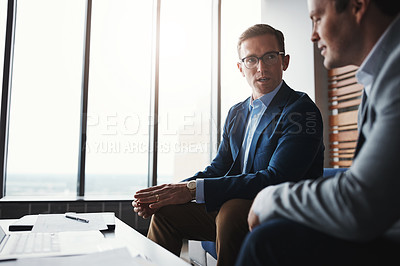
x,y
287,146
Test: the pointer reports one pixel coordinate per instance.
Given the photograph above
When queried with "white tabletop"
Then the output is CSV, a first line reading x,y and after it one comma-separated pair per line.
x,y
133,240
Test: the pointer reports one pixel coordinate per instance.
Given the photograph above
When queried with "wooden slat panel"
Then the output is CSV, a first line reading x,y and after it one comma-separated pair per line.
x,y
339,71
345,104
346,90
347,96
340,77
344,151
344,136
342,119
342,83
349,127
344,145
348,156
344,163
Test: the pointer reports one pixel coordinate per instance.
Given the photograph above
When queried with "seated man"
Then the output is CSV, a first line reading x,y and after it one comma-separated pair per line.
x,y
352,218
273,136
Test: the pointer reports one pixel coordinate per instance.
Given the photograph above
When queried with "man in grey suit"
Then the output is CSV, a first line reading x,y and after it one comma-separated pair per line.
x,y
352,218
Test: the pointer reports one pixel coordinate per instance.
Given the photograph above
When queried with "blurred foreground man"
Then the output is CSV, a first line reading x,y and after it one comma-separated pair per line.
x,y
352,218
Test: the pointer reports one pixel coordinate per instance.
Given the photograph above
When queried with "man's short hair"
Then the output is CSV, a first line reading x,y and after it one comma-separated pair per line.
x,y
261,29
388,7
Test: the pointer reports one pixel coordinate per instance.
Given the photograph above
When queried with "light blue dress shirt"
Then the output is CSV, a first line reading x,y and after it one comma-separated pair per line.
x,y
257,108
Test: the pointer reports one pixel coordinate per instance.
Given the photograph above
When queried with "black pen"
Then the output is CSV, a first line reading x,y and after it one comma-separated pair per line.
x,y
7,259
76,218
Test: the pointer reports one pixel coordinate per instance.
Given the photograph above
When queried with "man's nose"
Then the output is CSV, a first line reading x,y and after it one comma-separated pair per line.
x,y
261,65
314,35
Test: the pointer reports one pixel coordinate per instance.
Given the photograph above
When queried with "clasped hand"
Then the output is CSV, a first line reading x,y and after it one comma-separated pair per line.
x,y
147,201
252,220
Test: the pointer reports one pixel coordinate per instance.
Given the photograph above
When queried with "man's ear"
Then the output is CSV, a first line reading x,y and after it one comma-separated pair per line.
x,y
285,62
239,65
359,8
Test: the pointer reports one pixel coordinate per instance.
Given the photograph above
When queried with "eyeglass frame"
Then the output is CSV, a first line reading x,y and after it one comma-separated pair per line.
x,y
260,58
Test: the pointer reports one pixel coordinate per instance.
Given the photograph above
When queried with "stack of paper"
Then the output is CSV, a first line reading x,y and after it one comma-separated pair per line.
x,y
52,223
120,257
104,221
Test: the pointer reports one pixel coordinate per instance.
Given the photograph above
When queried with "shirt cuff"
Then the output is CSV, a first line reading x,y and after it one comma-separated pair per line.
x,y
200,190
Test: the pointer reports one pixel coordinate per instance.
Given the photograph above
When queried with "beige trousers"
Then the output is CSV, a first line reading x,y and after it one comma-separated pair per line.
x,y
227,227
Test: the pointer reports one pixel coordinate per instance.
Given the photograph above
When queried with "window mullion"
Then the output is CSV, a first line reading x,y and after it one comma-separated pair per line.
x,y
84,102
155,70
215,121
6,91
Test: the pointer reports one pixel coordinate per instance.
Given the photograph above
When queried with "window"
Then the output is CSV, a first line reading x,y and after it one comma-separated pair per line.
x,y
119,97
45,108
234,88
185,93
3,22
45,98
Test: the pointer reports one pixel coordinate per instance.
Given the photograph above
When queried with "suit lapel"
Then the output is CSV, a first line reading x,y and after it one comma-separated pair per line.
x,y
275,108
363,110
362,114
238,128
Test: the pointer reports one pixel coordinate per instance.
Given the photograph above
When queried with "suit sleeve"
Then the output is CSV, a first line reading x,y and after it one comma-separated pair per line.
x,y
296,150
363,202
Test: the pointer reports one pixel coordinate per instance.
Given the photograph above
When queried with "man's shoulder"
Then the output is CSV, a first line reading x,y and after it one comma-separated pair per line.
x,y
389,69
298,99
301,97
240,105
386,89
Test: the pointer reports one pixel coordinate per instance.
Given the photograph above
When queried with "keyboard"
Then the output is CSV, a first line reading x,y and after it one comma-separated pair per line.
x,y
35,243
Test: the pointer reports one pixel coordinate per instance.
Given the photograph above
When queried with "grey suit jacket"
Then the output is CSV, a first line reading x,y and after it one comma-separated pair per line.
x,y
364,202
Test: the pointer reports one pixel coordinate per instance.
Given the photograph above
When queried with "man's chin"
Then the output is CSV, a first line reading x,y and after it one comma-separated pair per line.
x,y
328,66
330,63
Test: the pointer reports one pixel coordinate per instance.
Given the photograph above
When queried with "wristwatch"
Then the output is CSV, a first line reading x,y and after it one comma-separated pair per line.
x,y
191,185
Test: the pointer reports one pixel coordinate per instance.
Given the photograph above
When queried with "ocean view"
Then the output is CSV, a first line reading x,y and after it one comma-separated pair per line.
x,y
66,185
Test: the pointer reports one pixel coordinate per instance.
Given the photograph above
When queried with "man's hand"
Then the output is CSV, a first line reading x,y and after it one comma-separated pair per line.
x,y
148,201
252,220
142,209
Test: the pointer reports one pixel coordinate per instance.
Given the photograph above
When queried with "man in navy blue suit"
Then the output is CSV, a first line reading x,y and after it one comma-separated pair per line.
x,y
273,136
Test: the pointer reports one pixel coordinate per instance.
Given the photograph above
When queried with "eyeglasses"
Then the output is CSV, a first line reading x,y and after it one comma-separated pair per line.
x,y
269,59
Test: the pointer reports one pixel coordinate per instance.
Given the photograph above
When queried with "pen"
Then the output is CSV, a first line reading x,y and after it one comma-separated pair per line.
x,y
7,259
76,218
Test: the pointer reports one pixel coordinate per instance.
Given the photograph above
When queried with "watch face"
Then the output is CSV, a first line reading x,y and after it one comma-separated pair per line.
x,y
191,185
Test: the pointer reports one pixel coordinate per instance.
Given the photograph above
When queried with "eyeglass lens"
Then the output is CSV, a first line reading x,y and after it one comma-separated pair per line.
x,y
268,59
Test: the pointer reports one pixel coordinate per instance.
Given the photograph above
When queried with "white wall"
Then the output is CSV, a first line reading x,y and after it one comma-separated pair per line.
x,y
291,17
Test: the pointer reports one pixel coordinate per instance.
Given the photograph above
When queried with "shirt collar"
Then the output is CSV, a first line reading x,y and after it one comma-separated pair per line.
x,y
266,98
372,64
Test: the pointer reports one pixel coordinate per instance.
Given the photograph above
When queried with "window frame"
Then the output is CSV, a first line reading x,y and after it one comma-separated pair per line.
x,y
215,119
6,91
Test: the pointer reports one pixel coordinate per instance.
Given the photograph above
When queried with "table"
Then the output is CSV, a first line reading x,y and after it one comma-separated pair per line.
x,y
132,239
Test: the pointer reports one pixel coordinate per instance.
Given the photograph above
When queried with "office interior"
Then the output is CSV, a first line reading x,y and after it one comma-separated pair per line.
x,y
160,113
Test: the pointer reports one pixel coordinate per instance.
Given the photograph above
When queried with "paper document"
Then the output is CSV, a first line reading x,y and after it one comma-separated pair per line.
x,y
27,244
120,257
52,223
26,222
